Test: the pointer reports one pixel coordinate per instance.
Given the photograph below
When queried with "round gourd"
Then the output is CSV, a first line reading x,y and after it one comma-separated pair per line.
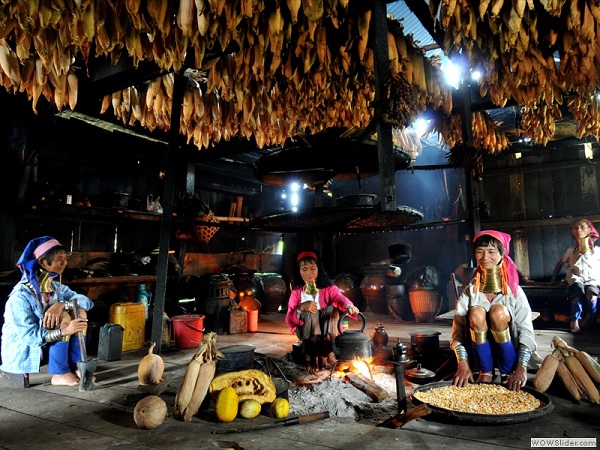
x,y
150,412
151,368
280,408
227,405
249,409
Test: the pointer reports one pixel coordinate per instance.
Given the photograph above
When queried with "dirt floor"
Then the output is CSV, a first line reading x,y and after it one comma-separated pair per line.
x,y
46,416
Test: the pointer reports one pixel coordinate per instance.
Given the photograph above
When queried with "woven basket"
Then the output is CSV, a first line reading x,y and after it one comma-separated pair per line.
x,y
425,304
205,233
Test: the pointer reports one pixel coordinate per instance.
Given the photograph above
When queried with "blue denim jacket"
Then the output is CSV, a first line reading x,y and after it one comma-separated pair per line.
x,y
22,333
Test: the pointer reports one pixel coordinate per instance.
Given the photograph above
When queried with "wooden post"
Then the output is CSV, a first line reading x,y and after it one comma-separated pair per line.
x,y
167,217
384,130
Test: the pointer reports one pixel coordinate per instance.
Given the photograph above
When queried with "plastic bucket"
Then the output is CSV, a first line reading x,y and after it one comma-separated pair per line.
x,y
188,330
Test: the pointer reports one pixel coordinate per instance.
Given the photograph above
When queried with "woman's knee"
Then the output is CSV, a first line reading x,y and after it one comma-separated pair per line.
x,y
499,317
477,318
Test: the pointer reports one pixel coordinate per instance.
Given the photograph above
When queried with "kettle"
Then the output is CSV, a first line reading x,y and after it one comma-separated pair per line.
x,y
351,344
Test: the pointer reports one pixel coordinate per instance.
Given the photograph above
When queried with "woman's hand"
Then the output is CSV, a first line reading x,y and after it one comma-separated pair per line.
x,y
463,374
517,379
352,310
309,306
53,315
74,326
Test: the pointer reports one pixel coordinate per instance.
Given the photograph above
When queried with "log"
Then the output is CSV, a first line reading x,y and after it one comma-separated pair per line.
x,y
403,418
377,393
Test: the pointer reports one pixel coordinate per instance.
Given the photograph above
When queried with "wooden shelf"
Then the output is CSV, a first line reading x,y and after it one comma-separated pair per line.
x,y
111,280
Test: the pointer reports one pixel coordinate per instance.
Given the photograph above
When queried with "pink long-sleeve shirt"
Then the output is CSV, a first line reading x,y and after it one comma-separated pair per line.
x,y
330,295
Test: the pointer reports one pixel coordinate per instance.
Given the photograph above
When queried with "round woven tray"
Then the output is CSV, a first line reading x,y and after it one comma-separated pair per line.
x,y
446,415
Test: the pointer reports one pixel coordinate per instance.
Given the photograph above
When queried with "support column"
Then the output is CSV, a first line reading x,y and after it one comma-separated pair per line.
x,y
384,131
167,218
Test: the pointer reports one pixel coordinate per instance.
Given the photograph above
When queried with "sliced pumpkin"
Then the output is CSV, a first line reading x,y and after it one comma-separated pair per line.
x,y
249,384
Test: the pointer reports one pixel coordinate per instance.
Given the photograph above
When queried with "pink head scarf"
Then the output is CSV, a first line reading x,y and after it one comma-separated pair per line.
x,y
510,274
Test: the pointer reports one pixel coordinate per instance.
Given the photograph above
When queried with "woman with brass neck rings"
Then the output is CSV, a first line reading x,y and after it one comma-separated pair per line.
x,y
582,274
492,326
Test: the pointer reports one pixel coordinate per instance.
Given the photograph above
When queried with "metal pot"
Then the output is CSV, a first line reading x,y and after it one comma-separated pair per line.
x,y
425,341
238,357
351,344
420,375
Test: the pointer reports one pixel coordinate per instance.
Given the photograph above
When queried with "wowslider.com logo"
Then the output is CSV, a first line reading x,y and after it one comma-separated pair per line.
x,y
563,442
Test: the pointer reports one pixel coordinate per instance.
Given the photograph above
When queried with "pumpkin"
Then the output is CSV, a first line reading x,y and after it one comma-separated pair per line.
x,y
151,368
150,412
227,404
248,384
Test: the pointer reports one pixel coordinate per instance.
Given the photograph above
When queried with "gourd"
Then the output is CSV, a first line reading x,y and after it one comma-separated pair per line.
x,y
248,384
249,409
150,412
151,368
227,404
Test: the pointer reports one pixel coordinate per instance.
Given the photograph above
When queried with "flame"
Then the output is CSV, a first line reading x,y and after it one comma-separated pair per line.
x,y
357,365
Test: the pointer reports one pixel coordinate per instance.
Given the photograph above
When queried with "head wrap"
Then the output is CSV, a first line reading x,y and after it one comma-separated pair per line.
x,y
35,249
592,237
303,255
510,274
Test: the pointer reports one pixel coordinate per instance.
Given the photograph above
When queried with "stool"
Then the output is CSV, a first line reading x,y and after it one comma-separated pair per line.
x,y
14,380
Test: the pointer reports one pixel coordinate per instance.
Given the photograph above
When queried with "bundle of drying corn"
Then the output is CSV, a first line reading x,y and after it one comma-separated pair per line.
x,y
579,372
197,378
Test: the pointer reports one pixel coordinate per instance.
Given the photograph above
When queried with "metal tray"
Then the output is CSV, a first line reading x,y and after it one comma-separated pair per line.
x,y
442,414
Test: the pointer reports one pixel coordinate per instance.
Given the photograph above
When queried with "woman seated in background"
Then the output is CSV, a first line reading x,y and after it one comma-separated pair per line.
x,y
493,325
37,315
313,308
582,274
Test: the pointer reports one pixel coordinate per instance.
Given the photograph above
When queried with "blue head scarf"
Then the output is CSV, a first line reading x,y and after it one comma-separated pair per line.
x,y
28,264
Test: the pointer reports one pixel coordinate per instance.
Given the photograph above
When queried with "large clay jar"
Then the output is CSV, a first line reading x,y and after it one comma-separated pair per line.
x,y
398,303
373,287
349,287
274,289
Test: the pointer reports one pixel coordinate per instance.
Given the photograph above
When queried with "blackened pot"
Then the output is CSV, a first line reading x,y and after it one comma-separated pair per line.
x,y
238,357
424,341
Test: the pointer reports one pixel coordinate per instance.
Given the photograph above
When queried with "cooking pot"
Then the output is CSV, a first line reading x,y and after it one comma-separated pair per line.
x,y
420,375
425,341
351,344
237,357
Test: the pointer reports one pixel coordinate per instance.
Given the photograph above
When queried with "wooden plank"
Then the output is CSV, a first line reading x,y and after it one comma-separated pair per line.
x,y
520,249
535,245
589,190
532,201
545,195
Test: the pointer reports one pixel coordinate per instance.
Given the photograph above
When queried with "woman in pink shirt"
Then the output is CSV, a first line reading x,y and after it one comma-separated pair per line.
x,y
315,302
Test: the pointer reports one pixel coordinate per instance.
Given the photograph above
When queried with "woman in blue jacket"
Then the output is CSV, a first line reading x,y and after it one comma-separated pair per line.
x,y
37,314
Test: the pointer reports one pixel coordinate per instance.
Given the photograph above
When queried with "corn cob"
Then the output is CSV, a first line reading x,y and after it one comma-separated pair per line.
x,y
205,376
590,365
544,376
582,378
187,387
558,342
568,380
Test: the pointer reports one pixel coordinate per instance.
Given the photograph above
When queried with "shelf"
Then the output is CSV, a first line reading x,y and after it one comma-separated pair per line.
x,y
78,213
111,280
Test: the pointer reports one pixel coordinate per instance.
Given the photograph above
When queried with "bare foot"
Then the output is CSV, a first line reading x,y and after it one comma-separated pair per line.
x,y
575,327
78,373
484,377
66,379
586,322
